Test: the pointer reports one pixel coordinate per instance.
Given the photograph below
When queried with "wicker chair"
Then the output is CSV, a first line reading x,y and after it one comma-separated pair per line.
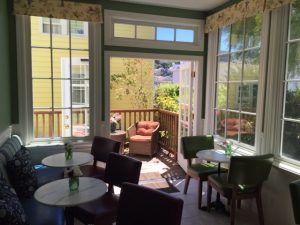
x,y
143,138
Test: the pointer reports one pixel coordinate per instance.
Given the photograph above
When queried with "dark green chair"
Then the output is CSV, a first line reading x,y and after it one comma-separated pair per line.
x,y
200,171
295,196
244,180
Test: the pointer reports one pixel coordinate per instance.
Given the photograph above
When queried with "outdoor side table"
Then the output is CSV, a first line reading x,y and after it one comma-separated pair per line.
x,y
119,135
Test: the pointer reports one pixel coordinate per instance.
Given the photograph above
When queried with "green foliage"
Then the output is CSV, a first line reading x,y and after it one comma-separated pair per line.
x,y
167,97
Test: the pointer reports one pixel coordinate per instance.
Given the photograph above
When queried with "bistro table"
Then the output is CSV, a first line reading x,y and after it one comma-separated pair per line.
x,y
57,193
59,160
218,156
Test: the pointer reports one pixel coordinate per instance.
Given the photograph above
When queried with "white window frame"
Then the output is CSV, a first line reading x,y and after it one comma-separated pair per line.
x,y
25,83
111,17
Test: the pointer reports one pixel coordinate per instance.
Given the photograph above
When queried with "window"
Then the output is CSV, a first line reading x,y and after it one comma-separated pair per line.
x,y
290,137
60,80
237,80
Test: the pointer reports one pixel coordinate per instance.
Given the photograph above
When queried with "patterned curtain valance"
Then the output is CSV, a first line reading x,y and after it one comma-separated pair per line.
x,y
59,9
240,11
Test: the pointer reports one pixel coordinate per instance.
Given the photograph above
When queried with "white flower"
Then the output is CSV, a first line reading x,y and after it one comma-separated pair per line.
x,y
76,171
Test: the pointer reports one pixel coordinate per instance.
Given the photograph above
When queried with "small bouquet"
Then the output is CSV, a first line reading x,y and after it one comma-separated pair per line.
x,y
68,151
228,147
114,120
74,175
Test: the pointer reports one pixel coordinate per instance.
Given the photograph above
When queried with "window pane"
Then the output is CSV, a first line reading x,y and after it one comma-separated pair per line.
x,y
233,96
38,38
248,129
41,63
220,122
42,93
80,93
79,35
237,36
251,64
165,34
61,63
183,35
224,38
253,31
145,32
81,123
236,65
295,21
294,61
60,37
291,140
124,30
221,100
249,97
61,92
223,61
232,124
42,123
292,102
62,123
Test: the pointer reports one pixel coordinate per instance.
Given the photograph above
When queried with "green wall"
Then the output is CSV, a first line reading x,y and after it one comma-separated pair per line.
x,y
5,100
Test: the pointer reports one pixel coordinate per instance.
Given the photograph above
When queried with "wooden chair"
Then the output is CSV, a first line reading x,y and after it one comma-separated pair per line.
x,y
119,169
140,205
101,147
295,197
143,138
244,180
200,171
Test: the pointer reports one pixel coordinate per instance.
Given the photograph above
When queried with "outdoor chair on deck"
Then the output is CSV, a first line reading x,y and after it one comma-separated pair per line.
x,y
143,138
140,205
119,169
101,147
244,180
295,197
200,171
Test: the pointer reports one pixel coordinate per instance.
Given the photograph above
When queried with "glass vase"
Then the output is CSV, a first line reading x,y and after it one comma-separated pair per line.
x,y
68,155
73,184
228,149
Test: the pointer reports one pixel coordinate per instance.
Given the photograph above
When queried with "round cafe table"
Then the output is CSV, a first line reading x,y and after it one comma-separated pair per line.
x,y
59,160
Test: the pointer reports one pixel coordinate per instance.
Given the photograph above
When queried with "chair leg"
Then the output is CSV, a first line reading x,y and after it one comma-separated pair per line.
x,y
232,209
200,193
239,203
209,190
186,185
260,208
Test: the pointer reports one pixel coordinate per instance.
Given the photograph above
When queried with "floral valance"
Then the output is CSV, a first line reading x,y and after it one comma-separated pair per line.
x,y
59,9
240,11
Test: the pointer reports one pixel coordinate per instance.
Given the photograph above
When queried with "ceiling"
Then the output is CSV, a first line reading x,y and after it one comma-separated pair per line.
x,y
200,5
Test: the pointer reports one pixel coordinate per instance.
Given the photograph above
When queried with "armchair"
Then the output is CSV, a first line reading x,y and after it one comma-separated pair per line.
x,y
143,138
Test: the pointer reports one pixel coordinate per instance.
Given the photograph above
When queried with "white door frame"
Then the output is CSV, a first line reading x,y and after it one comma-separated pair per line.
x,y
198,84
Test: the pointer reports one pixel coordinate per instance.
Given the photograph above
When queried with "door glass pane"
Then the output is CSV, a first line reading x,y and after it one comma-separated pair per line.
x,y
294,61
223,61
291,140
81,124
61,92
292,101
62,122
295,21
236,65
61,63
253,31
248,129
249,97
251,64
183,35
221,101
233,96
224,38
124,30
145,32
232,124
164,34
237,36
220,122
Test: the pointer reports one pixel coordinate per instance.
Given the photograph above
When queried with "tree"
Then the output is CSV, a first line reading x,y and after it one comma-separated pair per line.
x,y
167,97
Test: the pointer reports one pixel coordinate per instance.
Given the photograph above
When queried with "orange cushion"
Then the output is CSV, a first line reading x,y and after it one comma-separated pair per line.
x,y
139,138
146,128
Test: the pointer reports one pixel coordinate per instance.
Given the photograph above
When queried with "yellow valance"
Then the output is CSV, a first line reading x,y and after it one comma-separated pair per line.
x,y
240,11
59,9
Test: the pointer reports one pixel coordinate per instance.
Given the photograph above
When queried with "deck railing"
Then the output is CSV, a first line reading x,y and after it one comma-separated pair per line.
x,y
45,120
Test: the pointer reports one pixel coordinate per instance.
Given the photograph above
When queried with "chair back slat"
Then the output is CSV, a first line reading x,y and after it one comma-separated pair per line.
x,y
102,146
295,197
192,144
249,170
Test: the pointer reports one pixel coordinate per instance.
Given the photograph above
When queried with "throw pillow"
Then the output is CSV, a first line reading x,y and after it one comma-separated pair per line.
x,y
11,210
22,174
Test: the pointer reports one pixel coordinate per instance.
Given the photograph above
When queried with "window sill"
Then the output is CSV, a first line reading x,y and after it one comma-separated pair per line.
x,y
289,167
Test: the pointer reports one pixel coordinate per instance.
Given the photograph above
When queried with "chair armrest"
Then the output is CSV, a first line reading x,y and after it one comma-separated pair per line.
x,y
131,131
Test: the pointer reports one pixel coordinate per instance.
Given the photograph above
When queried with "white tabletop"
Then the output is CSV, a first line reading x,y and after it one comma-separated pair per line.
x,y
57,193
213,155
59,160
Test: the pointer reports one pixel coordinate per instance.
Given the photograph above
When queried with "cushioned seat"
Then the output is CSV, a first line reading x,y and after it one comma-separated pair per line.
x,y
295,197
139,138
204,169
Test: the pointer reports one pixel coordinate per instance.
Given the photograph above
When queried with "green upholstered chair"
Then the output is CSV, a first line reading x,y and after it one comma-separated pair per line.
x,y
244,180
200,171
295,196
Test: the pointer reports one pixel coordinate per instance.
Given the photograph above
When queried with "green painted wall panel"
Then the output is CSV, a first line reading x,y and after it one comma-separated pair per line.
x,y
5,102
